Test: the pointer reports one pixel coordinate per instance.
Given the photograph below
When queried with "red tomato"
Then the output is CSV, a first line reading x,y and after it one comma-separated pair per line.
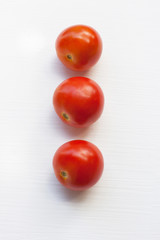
x,y
79,47
78,101
78,164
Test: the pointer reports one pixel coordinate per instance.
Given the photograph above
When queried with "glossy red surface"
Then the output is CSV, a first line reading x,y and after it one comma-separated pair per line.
x,y
78,101
78,164
79,47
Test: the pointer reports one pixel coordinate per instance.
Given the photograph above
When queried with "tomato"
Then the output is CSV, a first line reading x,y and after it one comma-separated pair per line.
x,y
78,164
79,47
78,101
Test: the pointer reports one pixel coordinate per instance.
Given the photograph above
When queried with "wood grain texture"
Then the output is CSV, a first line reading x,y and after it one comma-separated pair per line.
x,y
125,204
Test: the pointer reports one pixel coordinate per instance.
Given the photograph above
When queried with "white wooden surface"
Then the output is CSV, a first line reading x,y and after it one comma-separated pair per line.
x,y
125,204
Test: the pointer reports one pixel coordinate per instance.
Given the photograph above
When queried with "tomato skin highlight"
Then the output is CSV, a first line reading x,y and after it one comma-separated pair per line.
x,y
78,101
78,164
79,47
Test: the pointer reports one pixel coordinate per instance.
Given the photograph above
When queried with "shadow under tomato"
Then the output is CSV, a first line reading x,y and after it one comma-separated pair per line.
x,y
66,194
67,130
65,72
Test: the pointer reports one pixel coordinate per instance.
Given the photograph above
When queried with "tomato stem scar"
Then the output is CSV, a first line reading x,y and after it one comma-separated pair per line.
x,y
65,116
64,174
69,56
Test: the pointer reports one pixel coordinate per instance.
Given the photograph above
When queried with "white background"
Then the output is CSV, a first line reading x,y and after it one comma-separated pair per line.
x,y
125,204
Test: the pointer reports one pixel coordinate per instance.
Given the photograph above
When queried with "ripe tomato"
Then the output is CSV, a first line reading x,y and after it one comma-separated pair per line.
x,y
79,47
78,164
78,101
